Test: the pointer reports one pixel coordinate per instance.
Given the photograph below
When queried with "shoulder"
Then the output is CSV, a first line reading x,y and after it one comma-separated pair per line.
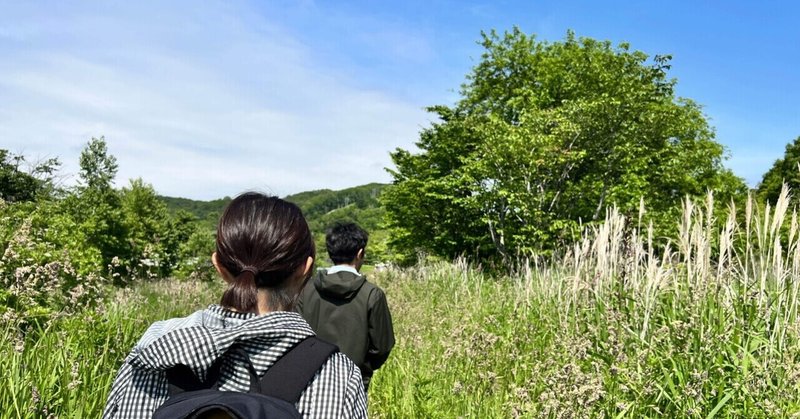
x,y
376,293
162,327
339,364
309,286
336,391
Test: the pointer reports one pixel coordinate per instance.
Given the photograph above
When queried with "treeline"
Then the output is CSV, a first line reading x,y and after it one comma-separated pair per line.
x,y
63,245
359,204
322,208
206,212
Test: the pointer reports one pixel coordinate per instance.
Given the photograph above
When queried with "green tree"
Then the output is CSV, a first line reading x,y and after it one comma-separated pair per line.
x,y
786,169
546,137
181,227
97,167
195,254
147,227
18,185
95,205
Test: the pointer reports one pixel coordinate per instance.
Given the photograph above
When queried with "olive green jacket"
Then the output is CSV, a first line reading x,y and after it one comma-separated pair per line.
x,y
345,309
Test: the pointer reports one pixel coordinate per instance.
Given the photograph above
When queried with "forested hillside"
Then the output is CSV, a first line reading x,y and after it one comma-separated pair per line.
x,y
358,204
207,212
322,209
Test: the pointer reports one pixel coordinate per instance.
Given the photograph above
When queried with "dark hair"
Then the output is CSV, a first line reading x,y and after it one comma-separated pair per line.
x,y
262,241
343,241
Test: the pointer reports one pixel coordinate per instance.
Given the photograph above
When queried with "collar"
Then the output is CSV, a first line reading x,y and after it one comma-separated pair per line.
x,y
343,268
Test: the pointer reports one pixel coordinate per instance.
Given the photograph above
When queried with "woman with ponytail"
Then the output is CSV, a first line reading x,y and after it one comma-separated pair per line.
x,y
265,254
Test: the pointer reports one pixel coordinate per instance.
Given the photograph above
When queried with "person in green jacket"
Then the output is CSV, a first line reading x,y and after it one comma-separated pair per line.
x,y
344,308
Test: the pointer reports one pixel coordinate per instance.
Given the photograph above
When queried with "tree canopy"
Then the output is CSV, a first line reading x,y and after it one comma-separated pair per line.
x,y
786,169
17,185
544,138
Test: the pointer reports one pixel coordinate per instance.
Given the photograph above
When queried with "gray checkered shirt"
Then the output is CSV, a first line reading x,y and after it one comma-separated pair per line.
x,y
196,341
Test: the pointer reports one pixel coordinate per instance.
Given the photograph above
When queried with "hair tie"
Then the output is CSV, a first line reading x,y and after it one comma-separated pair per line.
x,y
250,269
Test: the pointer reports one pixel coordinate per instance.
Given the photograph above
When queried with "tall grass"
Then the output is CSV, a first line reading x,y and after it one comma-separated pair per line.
x,y
616,327
620,325
64,367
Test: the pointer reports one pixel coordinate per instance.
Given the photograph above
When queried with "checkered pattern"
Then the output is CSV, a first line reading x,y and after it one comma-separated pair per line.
x,y
196,341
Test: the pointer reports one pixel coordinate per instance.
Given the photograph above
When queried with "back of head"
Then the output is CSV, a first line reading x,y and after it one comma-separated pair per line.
x,y
343,242
262,241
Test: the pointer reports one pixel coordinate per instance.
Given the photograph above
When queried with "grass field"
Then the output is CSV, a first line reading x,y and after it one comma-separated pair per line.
x,y
614,327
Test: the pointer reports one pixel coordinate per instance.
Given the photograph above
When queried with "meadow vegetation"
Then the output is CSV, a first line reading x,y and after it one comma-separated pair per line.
x,y
612,327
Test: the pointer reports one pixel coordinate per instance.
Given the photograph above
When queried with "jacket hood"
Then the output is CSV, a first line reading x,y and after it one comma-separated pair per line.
x,y
342,284
200,345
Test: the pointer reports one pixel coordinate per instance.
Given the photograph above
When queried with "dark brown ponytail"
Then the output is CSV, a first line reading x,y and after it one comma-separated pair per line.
x,y
262,241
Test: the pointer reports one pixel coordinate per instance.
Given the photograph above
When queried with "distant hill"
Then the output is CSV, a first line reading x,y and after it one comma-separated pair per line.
x,y
322,209
325,204
358,204
206,212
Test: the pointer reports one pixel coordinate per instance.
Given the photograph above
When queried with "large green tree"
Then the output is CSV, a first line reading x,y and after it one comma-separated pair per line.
x,y
786,169
547,136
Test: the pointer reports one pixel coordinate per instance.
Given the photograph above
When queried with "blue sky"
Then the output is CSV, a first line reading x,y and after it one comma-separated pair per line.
x,y
207,99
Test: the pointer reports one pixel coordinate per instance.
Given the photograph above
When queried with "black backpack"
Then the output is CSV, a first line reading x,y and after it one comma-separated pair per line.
x,y
273,396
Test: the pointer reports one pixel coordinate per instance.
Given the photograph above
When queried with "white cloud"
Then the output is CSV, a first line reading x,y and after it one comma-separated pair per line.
x,y
200,102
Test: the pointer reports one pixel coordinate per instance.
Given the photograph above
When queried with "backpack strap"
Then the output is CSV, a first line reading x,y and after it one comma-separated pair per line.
x,y
181,378
289,376
286,379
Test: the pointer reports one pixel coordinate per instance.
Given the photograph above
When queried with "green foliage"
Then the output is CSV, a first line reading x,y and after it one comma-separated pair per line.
x,y
610,329
64,367
197,238
195,255
97,167
206,212
17,185
95,205
545,138
358,204
784,170
153,238
316,203
60,250
322,208
45,265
